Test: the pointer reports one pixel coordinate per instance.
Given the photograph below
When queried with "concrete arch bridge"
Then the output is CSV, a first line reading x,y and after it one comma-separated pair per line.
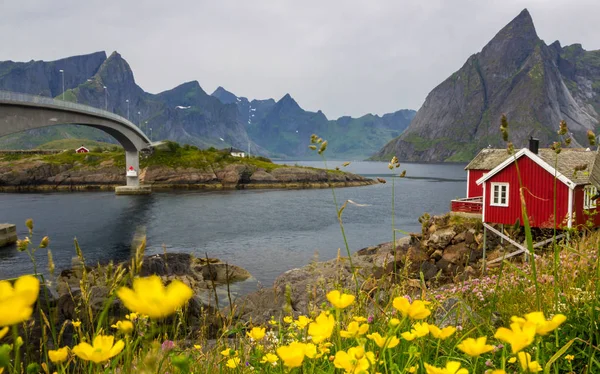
x,y
21,112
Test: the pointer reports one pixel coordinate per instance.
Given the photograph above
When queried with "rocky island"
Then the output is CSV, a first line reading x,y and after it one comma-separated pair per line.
x,y
170,166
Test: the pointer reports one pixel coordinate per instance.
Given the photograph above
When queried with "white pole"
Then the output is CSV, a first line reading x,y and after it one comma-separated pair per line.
x,y
62,72
139,119
105,98
150,133
127,101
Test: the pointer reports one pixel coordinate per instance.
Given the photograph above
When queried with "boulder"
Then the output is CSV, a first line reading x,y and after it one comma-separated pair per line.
x,y
456,253
441,238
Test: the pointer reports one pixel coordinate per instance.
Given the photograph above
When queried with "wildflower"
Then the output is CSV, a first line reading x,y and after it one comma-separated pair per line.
x,y
76,323
198,347
272,321
44,242
313,147
228,352
418,331
232,363
269,358
124,326
288,319
257,333
452,367
150,297
415,310
562,128
475,347
16,302
310,350
542,326
591,138
59,355
527,364
413,369
504,127
441,333
519,336
359,319
497,371
292,355
322,328
354,330
29,224
131,316
101,350
384,341
3,332
512,360
167,345
302,322
356,360
51,264
569,357
323,147
340,300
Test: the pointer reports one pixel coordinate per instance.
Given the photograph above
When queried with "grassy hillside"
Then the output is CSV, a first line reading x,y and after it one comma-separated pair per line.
x,y
76,143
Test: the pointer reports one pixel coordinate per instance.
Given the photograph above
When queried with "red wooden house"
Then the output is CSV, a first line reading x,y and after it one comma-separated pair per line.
x,y
539,171
82,149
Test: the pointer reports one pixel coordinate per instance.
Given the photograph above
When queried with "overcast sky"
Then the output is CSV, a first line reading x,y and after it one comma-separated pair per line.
x,y
345,57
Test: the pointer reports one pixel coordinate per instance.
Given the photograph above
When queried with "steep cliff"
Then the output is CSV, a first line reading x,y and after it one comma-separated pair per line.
x,y
516,73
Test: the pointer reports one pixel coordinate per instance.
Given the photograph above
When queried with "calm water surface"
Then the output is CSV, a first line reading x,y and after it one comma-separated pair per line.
x,y
266,232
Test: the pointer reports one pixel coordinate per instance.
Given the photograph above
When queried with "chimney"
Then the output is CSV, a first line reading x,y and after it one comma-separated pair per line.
x,y
534,144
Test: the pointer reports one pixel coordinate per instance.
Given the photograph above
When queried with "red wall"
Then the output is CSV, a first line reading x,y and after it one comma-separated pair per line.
x,y
539,195
580,217
474,190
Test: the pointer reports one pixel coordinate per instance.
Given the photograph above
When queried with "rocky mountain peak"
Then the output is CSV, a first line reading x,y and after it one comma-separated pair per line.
x,y
288,103
115,71
224,96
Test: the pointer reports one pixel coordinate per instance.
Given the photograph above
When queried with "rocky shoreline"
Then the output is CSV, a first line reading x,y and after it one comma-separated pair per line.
x,y
39,175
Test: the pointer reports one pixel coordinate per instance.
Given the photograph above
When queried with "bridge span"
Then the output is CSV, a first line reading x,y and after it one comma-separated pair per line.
x,y
22,112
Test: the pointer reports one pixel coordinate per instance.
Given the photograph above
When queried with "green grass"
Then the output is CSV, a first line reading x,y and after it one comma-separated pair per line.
x,y
72,144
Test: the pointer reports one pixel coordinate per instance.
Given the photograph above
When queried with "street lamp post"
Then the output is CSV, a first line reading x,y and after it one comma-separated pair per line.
x,y
150,133
105,98
62,72
127,101
140,119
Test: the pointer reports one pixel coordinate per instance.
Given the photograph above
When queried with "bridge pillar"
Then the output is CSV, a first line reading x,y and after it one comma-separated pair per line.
x,y
132,165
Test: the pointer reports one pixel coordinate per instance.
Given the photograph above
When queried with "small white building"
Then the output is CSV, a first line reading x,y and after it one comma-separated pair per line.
x,y
237,152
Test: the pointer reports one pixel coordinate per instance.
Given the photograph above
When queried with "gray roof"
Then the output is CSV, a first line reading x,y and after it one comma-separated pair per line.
x,y
566,162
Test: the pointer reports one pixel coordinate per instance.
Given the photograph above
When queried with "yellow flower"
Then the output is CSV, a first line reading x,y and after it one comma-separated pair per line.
x,y
124,326
322,328
413,369
131,316
542,326
269,358
497,371
302,322
232,363
441,333
384,341
150,297
76,323
354,330
569,357
527,364
292,355
288,319
340,300
257,333
512,360
59,355
475,347
101,350
16,302
3,332
198,347
310,350
519,336
394,322
452,367
356,360
359,319
228,352
419,330
416,310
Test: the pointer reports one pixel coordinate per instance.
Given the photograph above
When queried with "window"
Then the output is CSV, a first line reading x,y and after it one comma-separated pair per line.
x,y
499,194
588,193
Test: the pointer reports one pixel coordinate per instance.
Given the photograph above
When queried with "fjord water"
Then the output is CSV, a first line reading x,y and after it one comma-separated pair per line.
x,y
264,231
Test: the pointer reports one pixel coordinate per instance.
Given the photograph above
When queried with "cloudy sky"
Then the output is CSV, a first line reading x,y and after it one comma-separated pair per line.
x,y
345,57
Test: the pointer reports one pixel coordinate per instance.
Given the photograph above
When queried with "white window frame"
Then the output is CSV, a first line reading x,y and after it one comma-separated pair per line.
x,y
493,189
589,191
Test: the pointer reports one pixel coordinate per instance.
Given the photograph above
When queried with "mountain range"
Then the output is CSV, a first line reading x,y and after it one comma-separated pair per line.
x,y
536,85
188,115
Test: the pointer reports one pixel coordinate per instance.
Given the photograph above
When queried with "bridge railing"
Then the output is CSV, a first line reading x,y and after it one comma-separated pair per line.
x,y
18,97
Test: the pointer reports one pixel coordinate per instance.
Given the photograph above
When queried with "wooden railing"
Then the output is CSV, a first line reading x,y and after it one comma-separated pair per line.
x,y
467,205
